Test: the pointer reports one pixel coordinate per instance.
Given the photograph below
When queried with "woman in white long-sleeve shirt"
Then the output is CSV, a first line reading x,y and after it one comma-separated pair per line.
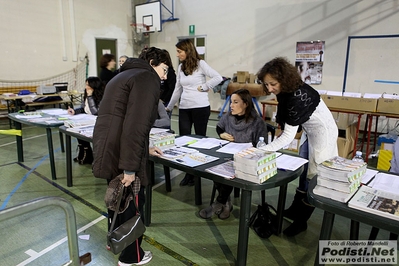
x,y
299,105
192,89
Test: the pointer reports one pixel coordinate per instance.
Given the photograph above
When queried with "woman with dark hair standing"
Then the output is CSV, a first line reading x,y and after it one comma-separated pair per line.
x,y
107,63
241,125
299,106
92,96
192,90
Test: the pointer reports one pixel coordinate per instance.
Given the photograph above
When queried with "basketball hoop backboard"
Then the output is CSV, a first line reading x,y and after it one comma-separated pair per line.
x,y
149,14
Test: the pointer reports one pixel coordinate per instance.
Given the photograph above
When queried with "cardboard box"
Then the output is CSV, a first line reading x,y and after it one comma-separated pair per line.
x,y
344,120
346,140
345,147
242,76
251,78
350,103
256,90
390,106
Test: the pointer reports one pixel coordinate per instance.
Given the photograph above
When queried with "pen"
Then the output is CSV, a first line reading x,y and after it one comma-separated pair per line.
x,y
220,145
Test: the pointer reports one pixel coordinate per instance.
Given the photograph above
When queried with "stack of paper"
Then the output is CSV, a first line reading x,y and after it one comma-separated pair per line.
x,y
339,178
162,140
255,165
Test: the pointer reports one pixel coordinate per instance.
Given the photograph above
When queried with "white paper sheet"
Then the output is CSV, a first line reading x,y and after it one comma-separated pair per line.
x,y
234,147
288,162
184,140
386,182
368,175
208,143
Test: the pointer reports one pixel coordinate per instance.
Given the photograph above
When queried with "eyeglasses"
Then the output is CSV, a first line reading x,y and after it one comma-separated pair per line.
x,y
165,69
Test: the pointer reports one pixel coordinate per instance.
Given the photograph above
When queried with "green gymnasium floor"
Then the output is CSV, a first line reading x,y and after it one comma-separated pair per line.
x,y
177,236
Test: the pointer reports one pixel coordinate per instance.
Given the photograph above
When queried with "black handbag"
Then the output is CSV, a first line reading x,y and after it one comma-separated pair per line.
x,y
263,221
119,238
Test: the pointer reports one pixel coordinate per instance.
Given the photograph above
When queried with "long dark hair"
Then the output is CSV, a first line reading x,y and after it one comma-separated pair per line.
x,y
98,89
247,99
190,64
284,72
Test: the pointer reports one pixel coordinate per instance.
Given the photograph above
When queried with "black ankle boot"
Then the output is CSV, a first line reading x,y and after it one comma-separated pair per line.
x,y
293,211
87,156
80,153
305,210
188,180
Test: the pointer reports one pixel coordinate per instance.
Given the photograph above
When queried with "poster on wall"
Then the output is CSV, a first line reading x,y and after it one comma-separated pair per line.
x,y
309,61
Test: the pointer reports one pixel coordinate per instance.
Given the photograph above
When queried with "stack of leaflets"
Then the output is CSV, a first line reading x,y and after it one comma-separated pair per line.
x,y
339,178
79,123
162,140
376,201
255,165
187,156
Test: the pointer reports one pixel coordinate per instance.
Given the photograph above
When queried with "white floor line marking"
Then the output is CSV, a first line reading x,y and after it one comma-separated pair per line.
x,y
13,142
173,174
34,255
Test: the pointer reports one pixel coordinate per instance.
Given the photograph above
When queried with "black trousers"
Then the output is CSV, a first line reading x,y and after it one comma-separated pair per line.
x,y
132,253
224,192
84,143
196,116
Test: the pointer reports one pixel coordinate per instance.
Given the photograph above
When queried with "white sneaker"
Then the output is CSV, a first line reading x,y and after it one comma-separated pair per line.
x,y
146,258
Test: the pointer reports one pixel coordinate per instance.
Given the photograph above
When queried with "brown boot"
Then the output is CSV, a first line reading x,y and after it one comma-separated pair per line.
x,y
227,208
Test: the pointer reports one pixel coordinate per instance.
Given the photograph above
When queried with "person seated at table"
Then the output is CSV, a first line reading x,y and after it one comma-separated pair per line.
x,y
299,105
92,96
242,125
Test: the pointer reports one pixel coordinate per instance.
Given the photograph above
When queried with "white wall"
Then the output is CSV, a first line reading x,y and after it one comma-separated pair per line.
x,y
241,35
34,45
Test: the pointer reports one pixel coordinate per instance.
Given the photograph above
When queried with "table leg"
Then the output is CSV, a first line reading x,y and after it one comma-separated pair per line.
x,y
359,117
263,111
148,194
62,142
68,160
197,190
354,231
224,106
51,153
20,148
366,159
9,111
375,132
243,227
166,171
255,101
280,207
325,232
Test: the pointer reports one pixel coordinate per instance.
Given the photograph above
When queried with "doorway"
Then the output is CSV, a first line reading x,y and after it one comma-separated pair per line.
x,y
104,46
